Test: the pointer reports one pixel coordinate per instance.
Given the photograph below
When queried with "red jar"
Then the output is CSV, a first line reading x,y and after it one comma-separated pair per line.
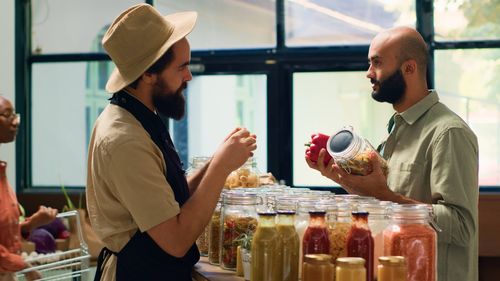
x,y
360,241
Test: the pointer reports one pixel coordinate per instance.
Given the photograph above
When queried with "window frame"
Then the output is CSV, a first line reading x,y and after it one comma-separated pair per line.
x,y
277,63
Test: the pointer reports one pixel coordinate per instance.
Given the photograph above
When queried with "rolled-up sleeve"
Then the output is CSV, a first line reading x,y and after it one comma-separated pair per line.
x,y
454,185
137,174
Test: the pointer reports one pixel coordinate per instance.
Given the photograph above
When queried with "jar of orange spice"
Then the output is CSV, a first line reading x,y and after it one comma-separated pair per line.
x,y
411,236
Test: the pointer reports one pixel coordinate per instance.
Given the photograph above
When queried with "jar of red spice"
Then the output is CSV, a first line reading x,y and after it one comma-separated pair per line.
x,y
410,235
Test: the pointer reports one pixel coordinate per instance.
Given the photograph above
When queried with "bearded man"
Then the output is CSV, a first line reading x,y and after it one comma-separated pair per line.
x,y
140,203
432,153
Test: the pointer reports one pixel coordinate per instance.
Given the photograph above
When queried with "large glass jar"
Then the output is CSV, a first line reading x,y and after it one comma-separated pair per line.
x,y
378,220
350,269
202,242
290,245
410,235
351,152
338,229
266,250
214,237
318,267
246,176
360,241
239,219
391,268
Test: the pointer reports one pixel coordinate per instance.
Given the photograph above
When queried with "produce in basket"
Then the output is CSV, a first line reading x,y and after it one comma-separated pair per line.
x,y
44,241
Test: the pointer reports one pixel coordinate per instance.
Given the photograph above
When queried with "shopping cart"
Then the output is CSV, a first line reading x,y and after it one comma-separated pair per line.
x,y
72,264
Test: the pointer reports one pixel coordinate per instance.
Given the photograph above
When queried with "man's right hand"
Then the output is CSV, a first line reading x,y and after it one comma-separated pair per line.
x,y
237,147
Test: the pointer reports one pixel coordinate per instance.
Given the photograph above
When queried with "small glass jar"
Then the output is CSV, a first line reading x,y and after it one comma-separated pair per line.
x,y
378,220
391,268
266,250
351,152
411,236
246,176
202,242
318,267
350,269
290,245
338,229
239,218
360,241
316,240
214,234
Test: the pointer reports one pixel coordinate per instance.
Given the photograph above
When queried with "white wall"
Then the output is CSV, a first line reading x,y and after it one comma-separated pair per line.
x,y
7,79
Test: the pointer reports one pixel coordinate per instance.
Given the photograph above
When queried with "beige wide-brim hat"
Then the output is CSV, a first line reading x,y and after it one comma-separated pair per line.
x,y
138,38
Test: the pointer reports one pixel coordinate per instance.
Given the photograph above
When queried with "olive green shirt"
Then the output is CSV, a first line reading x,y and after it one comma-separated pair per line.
x,y
433,158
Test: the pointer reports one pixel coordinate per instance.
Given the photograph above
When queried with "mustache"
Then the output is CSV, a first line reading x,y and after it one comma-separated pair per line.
x,y
374,81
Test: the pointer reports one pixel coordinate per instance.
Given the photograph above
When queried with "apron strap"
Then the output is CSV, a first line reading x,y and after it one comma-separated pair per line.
x,y
103,256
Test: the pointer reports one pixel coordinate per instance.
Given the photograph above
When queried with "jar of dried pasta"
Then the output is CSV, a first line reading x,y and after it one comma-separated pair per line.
x,y
352,152
246,176
239,222
197,164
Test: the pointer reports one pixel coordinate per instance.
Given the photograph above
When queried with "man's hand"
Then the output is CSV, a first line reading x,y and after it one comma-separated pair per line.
x,y
373,184
237,147
43,216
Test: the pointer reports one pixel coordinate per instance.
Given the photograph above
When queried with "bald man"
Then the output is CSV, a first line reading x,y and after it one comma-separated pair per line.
x,y
432,154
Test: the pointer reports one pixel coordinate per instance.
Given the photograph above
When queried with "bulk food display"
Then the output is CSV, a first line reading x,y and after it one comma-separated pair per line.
x,y
337,231
352,152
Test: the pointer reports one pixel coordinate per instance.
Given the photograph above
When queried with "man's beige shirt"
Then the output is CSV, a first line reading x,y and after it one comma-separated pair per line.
x,y
126,185
433,158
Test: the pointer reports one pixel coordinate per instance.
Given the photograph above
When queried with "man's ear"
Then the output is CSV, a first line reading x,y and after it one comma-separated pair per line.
x,y
409,67
149,78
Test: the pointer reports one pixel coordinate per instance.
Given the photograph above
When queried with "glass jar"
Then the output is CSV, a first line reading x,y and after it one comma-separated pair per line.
x,y
378,220
391,268
214,237
410,235
360,241
266,250
197,163
351,152
350,269
290,245
246,176
338,229
316,239
239,219
318,267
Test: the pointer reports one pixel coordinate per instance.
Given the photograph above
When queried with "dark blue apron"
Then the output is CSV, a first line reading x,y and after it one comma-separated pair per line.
x,y
142,258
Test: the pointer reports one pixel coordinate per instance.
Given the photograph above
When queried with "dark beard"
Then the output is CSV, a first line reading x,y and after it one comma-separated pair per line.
x,y
172,105
390,90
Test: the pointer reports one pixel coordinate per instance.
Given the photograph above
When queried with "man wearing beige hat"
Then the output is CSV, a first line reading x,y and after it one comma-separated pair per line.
x,y
140,203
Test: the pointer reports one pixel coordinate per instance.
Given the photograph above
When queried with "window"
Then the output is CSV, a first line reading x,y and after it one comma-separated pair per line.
x,y
273,66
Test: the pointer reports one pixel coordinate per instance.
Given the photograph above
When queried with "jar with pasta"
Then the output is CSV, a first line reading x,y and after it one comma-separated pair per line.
x,y
352,152
239,217
214,237
338,230
410,235
197,164
246,176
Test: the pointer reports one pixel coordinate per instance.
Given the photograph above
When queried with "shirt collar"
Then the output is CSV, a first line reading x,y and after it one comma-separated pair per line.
x,y
413,113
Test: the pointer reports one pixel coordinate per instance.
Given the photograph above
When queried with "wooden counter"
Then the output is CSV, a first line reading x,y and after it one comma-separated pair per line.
x,y
203,271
